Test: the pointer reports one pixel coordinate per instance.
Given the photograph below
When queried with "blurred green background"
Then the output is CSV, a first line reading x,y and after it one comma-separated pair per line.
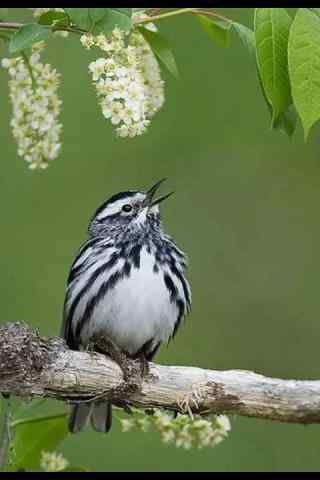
x,y
246,211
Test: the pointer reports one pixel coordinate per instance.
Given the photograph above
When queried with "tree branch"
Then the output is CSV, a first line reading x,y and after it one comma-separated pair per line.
x,y
159,14
34,366
15,26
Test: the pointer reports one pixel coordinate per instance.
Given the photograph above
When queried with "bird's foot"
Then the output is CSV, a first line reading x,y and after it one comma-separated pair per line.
x,y
144,366
106,346
134,370
131,378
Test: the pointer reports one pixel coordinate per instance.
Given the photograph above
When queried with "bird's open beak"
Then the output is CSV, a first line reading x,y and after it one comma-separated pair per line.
x,y
149,200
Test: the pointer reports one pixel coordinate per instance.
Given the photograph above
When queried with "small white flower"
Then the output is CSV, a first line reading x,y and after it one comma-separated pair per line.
x,y
123,131
126,425
223,422
168,436
97,68
6,62
53,462
87,40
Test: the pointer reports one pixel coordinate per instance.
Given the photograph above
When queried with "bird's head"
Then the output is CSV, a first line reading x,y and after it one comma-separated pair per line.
x,y
131,211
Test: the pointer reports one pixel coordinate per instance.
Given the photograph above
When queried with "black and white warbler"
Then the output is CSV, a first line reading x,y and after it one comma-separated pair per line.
x,y
126,284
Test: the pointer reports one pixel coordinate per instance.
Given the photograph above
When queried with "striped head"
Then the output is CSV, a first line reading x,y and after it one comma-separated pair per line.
x,y
128,213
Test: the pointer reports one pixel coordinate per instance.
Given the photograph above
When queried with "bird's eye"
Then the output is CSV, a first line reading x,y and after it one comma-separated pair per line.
x,y
127,208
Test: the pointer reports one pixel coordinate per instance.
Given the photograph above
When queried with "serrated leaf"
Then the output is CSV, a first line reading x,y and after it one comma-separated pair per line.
x,y
304,66
32,436
272,27
161,48
112,18
217,30
80,17
27,36
246,36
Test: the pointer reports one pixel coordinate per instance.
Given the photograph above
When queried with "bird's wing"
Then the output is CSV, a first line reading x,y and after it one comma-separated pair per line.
x,y
94,256
81,257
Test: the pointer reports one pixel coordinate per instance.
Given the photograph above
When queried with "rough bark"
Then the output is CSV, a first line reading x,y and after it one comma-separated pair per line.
x,y
35,366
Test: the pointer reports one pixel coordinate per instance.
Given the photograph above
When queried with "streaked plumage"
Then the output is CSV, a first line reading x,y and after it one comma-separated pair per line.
x,y
126,283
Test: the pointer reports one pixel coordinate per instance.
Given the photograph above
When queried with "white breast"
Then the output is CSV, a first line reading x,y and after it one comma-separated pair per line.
x,y
137,310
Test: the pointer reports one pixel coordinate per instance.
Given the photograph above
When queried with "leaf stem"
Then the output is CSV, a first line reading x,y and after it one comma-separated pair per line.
x,y
180,11
26,61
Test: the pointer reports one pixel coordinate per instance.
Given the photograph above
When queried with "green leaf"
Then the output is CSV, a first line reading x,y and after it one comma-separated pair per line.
x,y
33,435
26,410
5,36
304,66
125,11
286,121
112,18
315,10
54,19
161,48
97,14
100,20
247,37
27,36
272,27
217,30
80,17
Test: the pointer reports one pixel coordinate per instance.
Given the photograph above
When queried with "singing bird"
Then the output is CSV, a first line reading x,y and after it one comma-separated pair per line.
x,y
127,284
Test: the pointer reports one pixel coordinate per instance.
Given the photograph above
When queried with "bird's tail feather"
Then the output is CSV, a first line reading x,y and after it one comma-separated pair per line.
x,y
100,414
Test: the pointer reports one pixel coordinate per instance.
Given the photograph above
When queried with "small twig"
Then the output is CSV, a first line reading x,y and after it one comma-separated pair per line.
x,y
193,11
16,26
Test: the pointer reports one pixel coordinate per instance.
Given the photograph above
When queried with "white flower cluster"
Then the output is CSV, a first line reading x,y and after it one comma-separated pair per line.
x,y
53,462
36,107
182,431
127,80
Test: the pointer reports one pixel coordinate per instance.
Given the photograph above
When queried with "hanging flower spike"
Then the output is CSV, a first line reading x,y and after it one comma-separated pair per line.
x,y
127,80
35,108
